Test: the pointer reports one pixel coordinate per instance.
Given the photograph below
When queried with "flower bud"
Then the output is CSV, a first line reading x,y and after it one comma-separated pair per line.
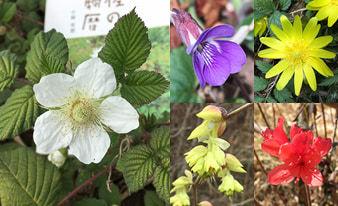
x,y
187,28
233,163
57,158
204,203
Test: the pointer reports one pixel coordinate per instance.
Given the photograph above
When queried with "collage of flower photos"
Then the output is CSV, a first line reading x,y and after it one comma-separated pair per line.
x,y
168,103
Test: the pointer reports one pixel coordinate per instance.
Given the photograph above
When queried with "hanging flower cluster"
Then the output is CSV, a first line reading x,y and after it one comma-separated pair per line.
x,y
181,186
300,155
300,53
209,159
81,109
214,59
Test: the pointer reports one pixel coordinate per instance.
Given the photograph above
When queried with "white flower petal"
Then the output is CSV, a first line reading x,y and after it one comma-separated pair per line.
x,y
90,144
119,115
50,134
53,89
95,78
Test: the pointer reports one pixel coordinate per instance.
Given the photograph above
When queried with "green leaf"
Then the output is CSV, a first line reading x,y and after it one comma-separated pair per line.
x,y
53,44
4,95
284,4
330,80
138,165
27,178
19,113
152,199
258,99
50,65
127,45
143,87
263,66
275,19
162,180
160,141
260,83
183,80
271,100
264,6
258,15
111,198
91,202
28,5
7,11
9,69
282,95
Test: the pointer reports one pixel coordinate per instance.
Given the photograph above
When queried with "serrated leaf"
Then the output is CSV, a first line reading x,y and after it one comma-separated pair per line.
x,y
258,99
264,6
91,202
113,197
8,69
28,5
183,79
284,4
127,45
7,11
152,199
160,141
263,66
143,87
162,180
50,65
53,44
330,80
275,19
260,83
28,179
271,100
281,95
138,166
19,113
258,15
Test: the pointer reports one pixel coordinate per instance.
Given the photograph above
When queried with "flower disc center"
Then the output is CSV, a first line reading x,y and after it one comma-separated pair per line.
x,y
82,111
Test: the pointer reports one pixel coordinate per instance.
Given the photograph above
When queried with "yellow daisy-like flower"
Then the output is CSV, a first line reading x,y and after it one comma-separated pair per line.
x,y
300,52
260,26
325,8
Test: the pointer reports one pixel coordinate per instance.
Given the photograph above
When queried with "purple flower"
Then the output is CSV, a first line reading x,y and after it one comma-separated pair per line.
x,y
214,60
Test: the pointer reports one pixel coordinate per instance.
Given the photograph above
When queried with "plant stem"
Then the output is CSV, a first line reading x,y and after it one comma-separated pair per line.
x,y
23,81
308,197
264,117
29,19
243,91
76,190
238,110
194,187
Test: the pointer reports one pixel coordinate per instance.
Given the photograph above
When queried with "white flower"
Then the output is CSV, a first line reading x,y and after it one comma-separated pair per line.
x,y
57,158
80,110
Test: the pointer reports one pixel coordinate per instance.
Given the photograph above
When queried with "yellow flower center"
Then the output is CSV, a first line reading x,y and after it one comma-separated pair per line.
x,y
82,111
297,52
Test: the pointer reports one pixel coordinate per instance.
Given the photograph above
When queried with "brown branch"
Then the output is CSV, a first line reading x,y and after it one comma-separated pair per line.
x,y
308,198
23,81
264,117
76,190
28,19
240,109
323,111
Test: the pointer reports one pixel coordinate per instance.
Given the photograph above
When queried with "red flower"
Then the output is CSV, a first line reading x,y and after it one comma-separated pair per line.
x,y
300,156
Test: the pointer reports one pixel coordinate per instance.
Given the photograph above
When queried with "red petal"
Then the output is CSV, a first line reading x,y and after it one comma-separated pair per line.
x,y
311,157
278,132
309,136
323,145
271,146
287,154
283,174
299,142
294,130
267,134
311,176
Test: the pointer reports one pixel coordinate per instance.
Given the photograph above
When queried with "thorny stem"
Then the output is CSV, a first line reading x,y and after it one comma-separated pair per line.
x,y
23,81
308,198
238,110
76,190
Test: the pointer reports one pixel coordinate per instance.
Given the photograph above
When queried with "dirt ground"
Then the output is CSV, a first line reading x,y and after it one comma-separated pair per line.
x,y
309,116
239,133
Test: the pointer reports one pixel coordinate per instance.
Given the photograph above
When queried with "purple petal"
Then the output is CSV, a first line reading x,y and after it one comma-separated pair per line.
x,y
198,66
234,53
216,68
215,32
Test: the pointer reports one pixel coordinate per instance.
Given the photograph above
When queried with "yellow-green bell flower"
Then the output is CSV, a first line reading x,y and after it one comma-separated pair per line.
x,y
233,164
229,185
181,187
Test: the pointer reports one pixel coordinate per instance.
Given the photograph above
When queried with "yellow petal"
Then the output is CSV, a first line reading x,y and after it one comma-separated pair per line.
x,y
320,66
257,28
201,130
279,33
311,30
323,13
287,26
333,16
212,113
297,24
277,69
310,76
298,80
318,3
321,53
273,43
271,54
285,78
320,42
